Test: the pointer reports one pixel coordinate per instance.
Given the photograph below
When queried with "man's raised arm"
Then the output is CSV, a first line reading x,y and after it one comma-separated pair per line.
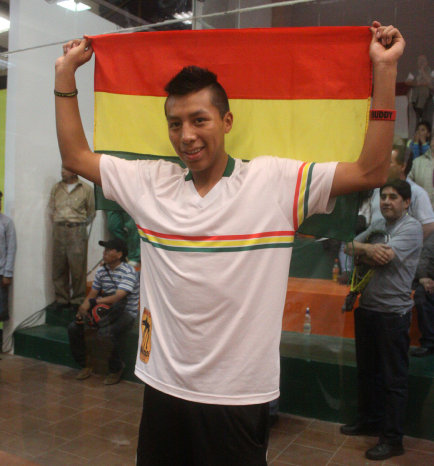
x,y
74,149
371,168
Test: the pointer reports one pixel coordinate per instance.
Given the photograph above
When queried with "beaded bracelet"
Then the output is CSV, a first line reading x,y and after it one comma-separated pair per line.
x,y
65,94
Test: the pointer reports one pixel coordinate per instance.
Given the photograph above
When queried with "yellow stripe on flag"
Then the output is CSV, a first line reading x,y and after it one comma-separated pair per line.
x,y
310,130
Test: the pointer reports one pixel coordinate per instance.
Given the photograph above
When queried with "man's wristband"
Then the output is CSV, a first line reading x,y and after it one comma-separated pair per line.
x,y
65,94
382,115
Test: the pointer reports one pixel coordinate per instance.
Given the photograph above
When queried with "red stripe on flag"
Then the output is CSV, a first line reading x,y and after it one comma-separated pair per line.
x,y
273,63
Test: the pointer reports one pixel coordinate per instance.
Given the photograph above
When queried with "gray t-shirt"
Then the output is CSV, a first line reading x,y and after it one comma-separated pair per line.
x,y
389,289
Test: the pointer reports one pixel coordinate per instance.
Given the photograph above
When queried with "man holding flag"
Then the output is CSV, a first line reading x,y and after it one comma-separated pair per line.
x,y
216,248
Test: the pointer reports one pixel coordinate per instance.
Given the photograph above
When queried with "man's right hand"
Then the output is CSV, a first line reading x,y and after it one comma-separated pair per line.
x,y
380,254
428,284
76,52
83,309
76,153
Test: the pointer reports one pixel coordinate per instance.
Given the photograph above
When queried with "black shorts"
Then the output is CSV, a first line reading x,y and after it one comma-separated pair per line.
x,y
176,432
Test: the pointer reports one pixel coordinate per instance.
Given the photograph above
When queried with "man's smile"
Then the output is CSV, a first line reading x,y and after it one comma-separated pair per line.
x,y
193,154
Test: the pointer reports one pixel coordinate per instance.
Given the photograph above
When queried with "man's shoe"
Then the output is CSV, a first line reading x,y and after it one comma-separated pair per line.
x,y
85,373
360,429
114,377
421,352
382,451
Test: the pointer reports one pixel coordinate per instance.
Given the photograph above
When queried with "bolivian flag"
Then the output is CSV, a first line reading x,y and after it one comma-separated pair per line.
x,y
301,93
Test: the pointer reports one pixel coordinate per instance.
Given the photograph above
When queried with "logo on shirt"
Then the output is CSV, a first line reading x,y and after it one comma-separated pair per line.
x,y
145,348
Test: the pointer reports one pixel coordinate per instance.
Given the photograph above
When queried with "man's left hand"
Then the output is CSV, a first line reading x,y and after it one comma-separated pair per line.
x,y
6,281
387,44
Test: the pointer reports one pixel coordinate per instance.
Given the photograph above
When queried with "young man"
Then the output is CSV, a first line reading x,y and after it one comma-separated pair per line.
x,y
382,322
216,250
115,281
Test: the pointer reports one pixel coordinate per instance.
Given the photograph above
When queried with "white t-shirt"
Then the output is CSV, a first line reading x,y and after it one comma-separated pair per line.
x,y
215,269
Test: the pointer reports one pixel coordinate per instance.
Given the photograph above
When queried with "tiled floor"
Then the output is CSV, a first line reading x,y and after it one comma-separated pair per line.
x,y
49,418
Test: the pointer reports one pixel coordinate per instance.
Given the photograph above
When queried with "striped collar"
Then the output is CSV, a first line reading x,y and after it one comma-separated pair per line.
x,y
230,165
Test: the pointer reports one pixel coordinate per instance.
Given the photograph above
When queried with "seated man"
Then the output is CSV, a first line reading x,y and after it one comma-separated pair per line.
x,y
424,299
382,322
116,282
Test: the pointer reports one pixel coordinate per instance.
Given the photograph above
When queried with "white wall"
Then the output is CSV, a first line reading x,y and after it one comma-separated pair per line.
x,y
257,18
32,161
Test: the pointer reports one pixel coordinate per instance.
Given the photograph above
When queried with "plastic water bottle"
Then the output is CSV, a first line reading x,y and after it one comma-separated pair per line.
x,y
307,325
335,271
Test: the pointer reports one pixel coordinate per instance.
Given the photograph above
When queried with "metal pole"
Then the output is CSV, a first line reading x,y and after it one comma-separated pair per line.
x,y
169,22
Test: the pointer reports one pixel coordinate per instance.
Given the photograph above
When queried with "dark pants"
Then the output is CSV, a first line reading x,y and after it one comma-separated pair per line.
x,y
425,316
382,343
177,432
69,259
4,302
112,333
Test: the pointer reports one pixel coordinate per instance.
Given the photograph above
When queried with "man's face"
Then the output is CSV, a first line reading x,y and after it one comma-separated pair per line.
x,y
396,171
392,205
422,131
111,256
196,130
422,61
67,176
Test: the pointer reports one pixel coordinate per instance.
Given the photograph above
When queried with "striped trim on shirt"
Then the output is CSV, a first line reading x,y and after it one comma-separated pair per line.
x,y
217,243
301,196
234,243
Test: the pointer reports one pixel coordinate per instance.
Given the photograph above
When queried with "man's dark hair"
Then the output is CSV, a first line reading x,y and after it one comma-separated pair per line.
x,y
401,155
400,186
427,126
404,157
118,245
193,79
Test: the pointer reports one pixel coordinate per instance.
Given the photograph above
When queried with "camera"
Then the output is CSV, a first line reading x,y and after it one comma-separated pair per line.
x,y
350,300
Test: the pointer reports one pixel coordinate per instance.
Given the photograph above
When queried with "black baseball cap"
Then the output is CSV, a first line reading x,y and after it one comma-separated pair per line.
x,y
117,244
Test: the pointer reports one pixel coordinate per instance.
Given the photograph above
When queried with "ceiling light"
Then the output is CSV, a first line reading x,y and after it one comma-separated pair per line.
x,y
73,6
4,24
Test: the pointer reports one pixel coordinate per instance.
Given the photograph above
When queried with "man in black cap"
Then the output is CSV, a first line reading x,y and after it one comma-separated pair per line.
x,y
111,307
